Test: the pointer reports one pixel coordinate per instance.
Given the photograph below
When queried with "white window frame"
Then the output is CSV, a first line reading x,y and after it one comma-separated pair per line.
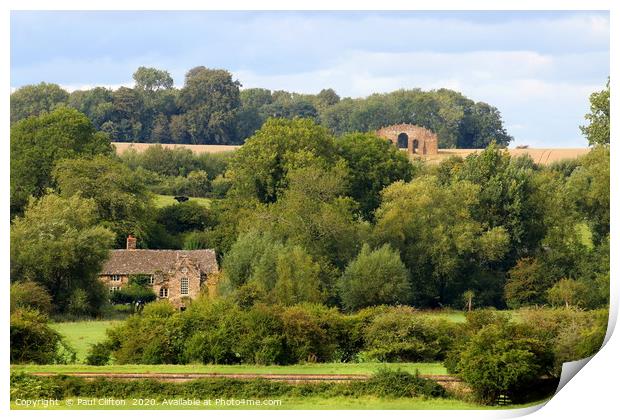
x,y
163,292
151,280
114,289
116,277
184,286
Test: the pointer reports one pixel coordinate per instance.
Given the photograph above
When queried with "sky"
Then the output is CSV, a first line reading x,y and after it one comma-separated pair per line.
x,y
538,68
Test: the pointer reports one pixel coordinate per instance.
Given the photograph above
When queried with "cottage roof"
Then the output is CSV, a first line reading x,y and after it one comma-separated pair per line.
x,y
148,261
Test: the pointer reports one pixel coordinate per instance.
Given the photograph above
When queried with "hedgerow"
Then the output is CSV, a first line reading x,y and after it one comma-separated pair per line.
x,y
385,383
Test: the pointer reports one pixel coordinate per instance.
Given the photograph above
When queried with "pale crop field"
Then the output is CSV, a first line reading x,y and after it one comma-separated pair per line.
x,y
539,156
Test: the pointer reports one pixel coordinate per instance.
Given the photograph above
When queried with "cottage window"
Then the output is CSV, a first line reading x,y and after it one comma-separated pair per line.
x,y
116,277
114,288
151,279
163,292
184,286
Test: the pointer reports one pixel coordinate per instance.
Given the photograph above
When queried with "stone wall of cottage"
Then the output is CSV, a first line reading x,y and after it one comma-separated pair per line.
x,y
172,280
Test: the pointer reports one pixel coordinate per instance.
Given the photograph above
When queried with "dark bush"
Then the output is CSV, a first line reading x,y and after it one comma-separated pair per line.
x,y
33,341
99,354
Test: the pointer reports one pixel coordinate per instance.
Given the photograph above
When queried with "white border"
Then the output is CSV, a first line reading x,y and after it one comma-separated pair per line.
x,y
590,394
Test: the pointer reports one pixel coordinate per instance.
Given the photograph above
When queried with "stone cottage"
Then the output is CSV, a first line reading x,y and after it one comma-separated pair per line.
x,y
175,275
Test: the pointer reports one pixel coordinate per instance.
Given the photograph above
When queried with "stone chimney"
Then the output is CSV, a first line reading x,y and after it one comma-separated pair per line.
x,y
131,242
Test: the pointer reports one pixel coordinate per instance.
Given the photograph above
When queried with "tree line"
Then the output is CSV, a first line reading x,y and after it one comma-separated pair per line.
x,y
211,108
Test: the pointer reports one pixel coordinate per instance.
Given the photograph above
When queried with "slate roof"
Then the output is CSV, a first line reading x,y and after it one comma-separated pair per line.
x,y
148,261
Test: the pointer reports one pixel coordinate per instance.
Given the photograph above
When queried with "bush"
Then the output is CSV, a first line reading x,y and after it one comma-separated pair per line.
x,y
571,334
29,294
502,359
400,335
399,384
132,293
30,387
308,333
33,341
99,354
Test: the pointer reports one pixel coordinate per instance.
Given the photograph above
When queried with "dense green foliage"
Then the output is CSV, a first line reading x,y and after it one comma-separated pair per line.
x,y
374,278
37,143
59,244
33,341
136,291
179,171
229,331
210,108
496,356
30,294
34,100
122,200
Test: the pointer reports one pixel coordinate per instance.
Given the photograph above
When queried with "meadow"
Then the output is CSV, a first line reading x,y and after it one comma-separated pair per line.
x,y
82,334
309,368
168,200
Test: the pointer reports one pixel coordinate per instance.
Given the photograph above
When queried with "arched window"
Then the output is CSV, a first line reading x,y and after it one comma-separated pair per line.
x,y
403,141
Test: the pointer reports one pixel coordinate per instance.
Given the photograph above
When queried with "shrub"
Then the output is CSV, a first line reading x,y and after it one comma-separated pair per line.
x,y
33,341
502,360
132,293
29,387
213,330
398,384
29,294
261,340
571,334
308,333
99,354
158,309
400,335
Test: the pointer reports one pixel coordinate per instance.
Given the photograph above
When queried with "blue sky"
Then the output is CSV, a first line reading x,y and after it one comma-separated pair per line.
x,y
537,67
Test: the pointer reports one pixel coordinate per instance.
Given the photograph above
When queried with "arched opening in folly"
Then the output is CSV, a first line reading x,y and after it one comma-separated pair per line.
x,y
416,144
403,141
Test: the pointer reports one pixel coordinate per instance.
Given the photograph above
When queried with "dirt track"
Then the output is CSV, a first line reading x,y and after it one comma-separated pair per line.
x,y
184,377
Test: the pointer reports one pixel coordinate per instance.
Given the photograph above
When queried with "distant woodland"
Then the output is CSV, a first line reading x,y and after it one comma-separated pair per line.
x,y
212,108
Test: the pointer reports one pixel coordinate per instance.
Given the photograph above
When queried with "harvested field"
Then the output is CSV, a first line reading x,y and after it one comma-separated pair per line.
x,y
540,156
196,148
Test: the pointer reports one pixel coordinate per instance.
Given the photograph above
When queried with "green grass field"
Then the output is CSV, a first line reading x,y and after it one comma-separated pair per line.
x,y
310,368
168,200
82,334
